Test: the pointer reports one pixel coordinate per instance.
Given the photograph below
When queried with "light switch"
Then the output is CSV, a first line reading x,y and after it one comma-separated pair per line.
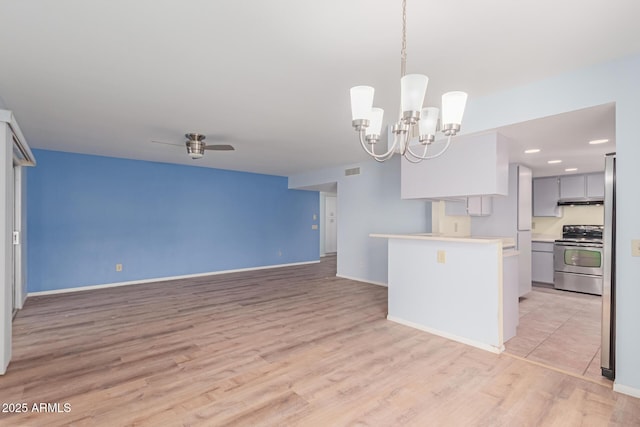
x,y
315,217
442,257
635,247
314,227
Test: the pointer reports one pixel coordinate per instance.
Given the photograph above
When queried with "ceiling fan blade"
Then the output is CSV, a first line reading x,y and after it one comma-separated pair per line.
x,y
167,143
219,147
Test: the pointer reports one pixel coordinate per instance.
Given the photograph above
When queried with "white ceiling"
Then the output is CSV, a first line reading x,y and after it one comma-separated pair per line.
x,y
564,137
272,77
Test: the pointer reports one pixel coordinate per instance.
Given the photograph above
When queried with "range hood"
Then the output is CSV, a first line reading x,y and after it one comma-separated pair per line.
x,y
582,201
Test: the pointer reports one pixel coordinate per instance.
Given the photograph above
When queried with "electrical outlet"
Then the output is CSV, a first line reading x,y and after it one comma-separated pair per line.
x,y
314,227
118,267
455,227
442,257
635,247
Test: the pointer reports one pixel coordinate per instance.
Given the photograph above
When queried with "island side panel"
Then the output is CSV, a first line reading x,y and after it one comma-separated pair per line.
x,y
458,299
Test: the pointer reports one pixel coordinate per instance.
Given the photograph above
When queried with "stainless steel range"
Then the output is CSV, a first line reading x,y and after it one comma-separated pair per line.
x,y
577,259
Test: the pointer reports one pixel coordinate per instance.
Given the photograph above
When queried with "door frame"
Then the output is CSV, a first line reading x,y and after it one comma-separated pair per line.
x,y
323,220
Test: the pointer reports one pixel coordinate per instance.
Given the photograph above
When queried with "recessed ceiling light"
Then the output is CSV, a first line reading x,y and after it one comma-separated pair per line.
x,y
571,169
532,150
598,141
551,162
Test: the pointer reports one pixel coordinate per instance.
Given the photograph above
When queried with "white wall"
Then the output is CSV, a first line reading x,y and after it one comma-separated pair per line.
x,y
368,203
615,81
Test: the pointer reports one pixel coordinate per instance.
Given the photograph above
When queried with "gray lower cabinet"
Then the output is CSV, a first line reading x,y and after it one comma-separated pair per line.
x,y
542,262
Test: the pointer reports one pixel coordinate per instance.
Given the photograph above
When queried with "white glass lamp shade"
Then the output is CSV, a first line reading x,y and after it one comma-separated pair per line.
x,y
428,120
361,102
375,121
413,87
453,104
195,149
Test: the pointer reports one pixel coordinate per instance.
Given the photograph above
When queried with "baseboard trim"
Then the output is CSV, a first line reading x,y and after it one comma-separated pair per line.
x,y
328,254
625,389
357,279
162,279
447,335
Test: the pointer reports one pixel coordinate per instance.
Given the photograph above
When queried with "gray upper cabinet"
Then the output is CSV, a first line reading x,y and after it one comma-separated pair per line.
x,y
572,186
479,205
546,192
472,206
595,185
580,186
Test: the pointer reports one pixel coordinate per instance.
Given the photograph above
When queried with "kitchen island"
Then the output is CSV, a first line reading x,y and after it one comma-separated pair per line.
x,y
461,288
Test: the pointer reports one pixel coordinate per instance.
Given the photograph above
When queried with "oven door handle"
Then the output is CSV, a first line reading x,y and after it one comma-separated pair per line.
x,y
579,245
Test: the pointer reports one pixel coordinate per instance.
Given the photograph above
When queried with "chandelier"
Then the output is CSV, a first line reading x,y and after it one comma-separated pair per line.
x,y
414,120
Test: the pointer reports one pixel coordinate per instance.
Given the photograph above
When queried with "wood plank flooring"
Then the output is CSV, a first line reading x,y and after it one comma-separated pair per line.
x,y
287,346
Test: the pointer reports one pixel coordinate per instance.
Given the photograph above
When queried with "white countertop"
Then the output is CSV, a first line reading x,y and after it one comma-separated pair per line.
x,y
507,242
545,238
510,252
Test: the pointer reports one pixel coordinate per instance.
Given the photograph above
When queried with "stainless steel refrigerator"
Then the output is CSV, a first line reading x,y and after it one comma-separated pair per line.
x,y
607,355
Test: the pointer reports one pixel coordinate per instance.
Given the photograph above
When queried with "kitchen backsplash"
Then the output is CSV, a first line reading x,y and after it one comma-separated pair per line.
x,y
589,215
448,225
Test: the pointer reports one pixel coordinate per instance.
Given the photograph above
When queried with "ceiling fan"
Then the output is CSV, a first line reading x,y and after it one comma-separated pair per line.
x,y
196,146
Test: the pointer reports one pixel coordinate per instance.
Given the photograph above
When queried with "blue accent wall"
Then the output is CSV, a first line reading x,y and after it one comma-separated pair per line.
x,y
88,213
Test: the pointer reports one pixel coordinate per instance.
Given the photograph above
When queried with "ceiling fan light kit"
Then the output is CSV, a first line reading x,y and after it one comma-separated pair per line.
x,y
195,146
414,119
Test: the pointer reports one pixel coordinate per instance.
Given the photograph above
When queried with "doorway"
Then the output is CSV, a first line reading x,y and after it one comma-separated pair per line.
x,y
331,225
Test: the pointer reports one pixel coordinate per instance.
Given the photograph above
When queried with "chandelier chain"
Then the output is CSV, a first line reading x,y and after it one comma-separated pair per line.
x,y
403,51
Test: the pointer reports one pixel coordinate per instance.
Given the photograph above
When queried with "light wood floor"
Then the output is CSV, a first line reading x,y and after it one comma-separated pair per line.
x,y
287,346
560,329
